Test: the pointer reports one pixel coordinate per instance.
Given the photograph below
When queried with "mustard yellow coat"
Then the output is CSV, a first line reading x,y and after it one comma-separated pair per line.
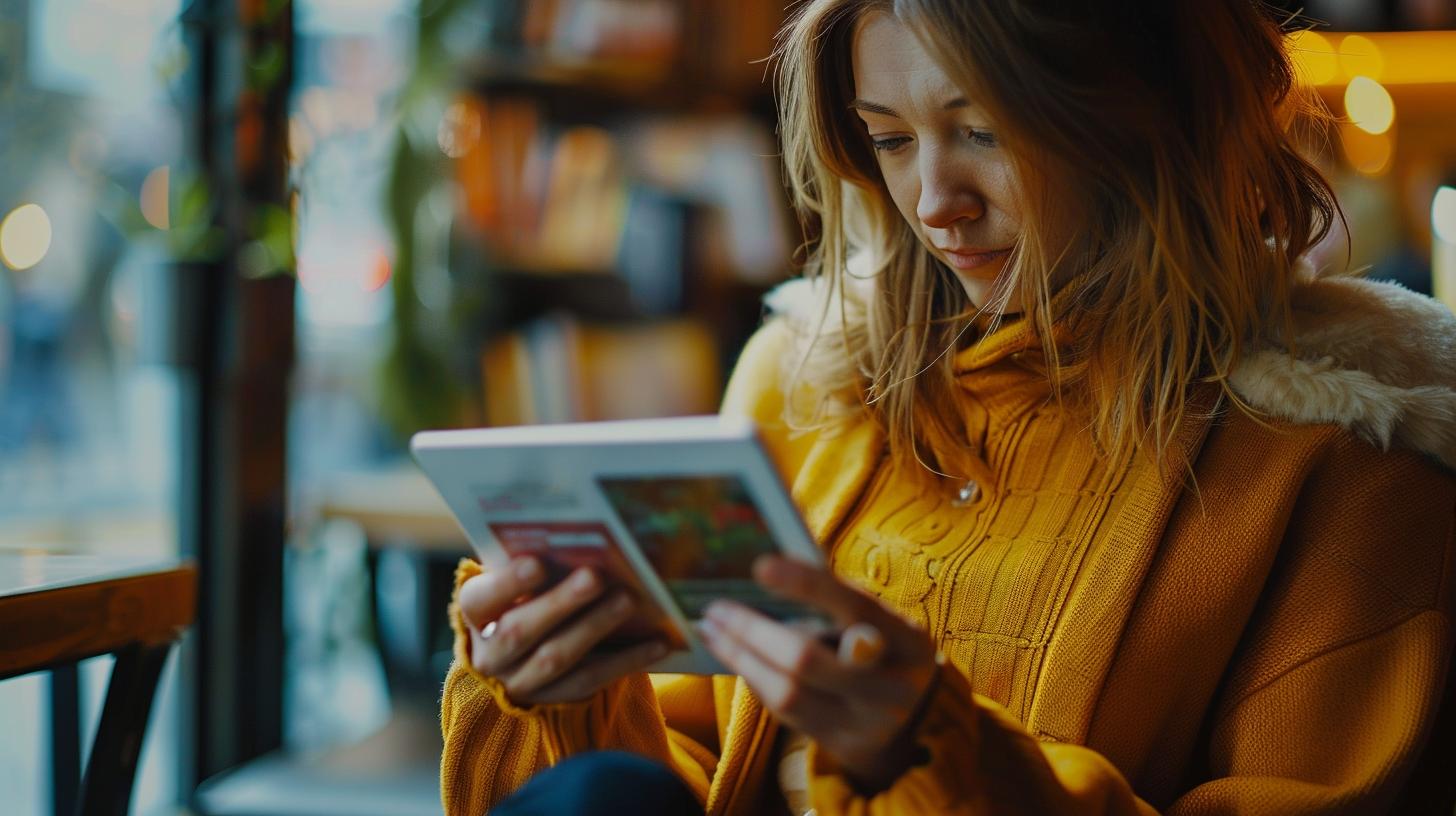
x,y
1275,642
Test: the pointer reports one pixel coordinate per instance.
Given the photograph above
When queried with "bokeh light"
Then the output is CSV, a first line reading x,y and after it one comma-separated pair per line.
x,y
1368,153
156,189
1443,214
25,236
300,139
1390,57
1369,105
1360,56
1314,57
459,130
377,274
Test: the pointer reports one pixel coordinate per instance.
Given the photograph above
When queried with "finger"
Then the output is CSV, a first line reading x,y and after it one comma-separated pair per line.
x,y
811,710
596,673
789,650
818,587
488,595
523,627
564,650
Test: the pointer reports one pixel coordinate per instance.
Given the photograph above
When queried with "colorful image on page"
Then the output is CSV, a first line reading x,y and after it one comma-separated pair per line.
x,y
701,534
563,546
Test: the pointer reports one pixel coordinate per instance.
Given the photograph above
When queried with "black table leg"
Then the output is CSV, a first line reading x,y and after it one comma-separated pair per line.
x,y
111,771
65,704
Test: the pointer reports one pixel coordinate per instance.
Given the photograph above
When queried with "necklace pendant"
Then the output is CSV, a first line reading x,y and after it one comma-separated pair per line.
x,y
967,495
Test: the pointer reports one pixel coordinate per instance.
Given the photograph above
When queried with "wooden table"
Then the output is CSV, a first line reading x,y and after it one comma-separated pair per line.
x,y
414,543
56,610
393,506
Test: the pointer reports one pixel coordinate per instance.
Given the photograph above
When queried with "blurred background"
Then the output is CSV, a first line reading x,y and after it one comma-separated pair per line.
x,y
248,246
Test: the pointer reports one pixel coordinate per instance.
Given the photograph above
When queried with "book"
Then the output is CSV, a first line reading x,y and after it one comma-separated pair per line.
x,y
675,511
559,369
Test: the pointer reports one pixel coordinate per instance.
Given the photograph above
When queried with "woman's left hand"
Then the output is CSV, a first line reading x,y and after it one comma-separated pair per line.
x,y
859,714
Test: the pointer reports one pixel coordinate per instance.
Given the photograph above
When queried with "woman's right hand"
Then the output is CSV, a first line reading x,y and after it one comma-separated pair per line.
x,y
540,644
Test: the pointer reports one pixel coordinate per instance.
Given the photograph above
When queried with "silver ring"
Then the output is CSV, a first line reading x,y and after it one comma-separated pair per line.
x,y
861,644
488,631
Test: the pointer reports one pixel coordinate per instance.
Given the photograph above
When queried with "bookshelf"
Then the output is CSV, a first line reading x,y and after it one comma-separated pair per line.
x,y
618,201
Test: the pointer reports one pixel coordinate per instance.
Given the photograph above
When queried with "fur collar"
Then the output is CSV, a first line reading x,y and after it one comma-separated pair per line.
x,y
1372,357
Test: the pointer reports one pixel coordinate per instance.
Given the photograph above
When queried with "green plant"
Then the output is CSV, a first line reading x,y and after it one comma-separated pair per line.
x,y
183,220
418,388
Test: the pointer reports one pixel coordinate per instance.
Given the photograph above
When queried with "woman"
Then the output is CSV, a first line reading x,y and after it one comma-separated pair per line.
x,y
1146,515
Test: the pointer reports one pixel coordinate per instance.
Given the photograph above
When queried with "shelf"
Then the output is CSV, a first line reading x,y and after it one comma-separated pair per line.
x,y
597,84
604,297
538,72
593,296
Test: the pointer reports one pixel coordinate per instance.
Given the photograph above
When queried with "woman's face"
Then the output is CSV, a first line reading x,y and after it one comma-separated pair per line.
x,y
949,176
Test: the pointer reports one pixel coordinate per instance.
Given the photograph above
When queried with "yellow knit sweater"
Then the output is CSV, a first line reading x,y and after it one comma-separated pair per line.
x,y
1276,642
986,577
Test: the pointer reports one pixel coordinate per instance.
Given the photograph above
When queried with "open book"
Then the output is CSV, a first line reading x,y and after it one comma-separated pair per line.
x,y
675,510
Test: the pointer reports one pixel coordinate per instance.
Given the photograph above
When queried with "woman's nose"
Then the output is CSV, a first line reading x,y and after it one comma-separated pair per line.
x,y
947,194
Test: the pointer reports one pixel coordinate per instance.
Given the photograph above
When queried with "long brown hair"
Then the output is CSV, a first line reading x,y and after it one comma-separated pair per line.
x,y
1165,130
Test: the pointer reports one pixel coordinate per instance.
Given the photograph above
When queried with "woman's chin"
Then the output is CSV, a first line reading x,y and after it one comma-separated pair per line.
x,y
983,289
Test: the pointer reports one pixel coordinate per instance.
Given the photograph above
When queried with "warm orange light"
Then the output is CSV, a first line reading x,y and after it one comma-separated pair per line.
x,y
1368,153
1314,57
459,130
1360,56
154,198
377,274
1369,105
1393,57
25,236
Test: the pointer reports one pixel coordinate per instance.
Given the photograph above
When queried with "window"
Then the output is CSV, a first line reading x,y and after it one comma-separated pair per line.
x,y
91,148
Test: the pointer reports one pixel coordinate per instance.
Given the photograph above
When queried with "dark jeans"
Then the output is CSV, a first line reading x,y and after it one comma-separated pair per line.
x,y
603,783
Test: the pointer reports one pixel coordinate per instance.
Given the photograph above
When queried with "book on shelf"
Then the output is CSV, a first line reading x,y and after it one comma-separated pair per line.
x,y
559,369
717,44
703,190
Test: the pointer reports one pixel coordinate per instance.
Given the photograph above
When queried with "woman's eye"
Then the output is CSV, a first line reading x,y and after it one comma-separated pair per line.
x,y
983,138
891,144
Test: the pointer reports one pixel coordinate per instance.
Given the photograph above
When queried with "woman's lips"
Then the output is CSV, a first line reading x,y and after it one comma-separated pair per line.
x,y
971,261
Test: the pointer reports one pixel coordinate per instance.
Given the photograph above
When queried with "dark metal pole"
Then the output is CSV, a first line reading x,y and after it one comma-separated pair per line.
x,y
111,772
65,705
239,362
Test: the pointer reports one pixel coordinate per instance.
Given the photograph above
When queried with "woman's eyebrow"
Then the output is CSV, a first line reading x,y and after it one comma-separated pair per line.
x,y
874,107
885,110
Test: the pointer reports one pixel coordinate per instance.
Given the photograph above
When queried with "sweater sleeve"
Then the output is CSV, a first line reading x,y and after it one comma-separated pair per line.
x,y
492,746
979,760
1333,692
1325,708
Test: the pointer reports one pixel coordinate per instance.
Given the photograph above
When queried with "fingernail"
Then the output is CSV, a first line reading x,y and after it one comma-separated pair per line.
x,y
718,611
709,629
861,645
621,603
765,570
528,569
584,580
